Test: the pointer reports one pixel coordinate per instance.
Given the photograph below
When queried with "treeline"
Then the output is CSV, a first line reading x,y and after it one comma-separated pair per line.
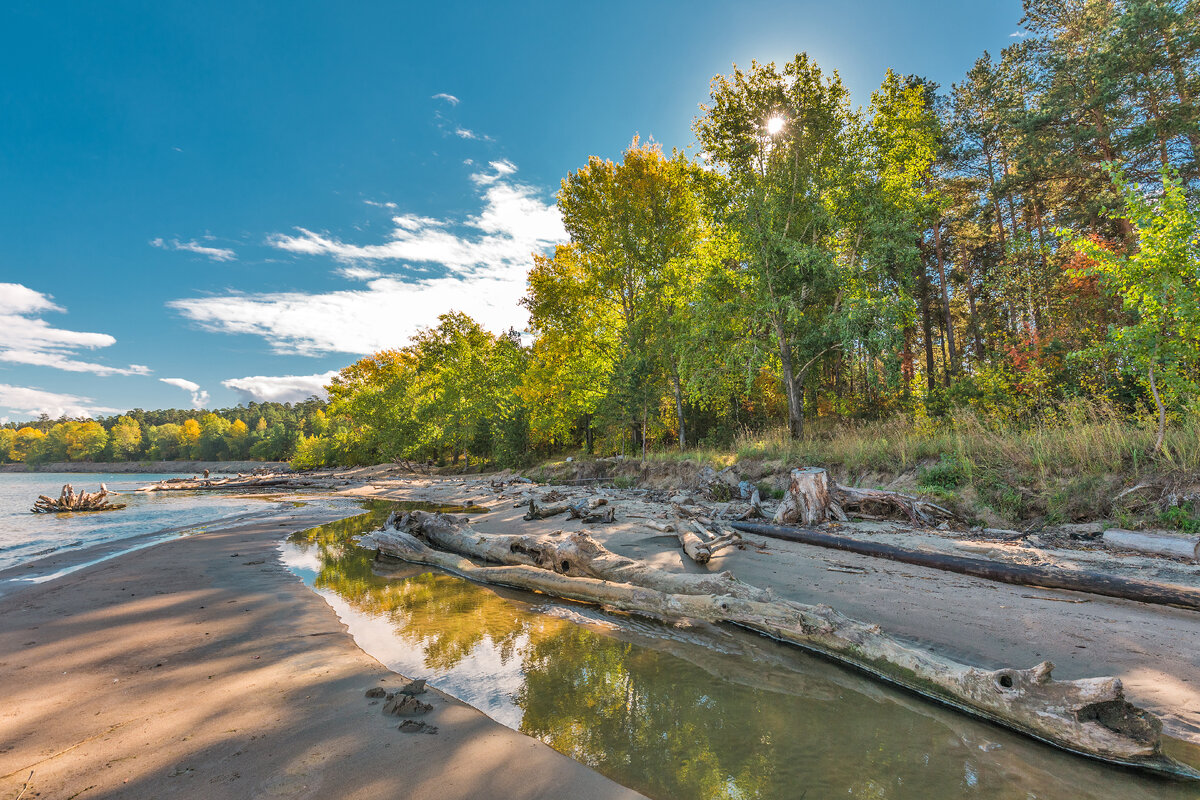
x,y
257,431
1025,237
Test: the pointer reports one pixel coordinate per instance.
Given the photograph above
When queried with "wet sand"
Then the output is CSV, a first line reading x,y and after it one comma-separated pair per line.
x,y
202,668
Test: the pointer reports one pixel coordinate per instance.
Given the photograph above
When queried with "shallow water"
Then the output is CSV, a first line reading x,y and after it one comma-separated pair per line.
x,y
25,536
681,711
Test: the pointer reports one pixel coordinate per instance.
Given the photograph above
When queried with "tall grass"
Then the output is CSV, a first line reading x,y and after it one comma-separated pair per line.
x,y
1083,437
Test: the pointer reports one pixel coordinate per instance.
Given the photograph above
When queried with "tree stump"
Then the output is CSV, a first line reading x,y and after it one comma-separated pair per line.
x,y
808,500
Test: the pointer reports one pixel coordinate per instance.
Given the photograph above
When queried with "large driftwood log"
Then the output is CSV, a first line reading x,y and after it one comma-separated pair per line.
x,y
1158,544
69,501
1020,574
227,484
1088,716
813,498
575,554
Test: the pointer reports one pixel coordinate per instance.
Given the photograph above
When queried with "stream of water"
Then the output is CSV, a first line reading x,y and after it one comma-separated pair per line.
x,y
681,711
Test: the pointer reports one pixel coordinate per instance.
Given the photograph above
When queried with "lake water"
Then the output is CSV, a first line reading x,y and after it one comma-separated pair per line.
x,y
682,712
25,536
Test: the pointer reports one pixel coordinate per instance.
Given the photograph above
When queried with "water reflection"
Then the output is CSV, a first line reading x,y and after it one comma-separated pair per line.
x,y
681,711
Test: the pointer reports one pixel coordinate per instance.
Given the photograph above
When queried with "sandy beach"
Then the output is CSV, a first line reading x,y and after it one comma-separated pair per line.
x,y
201,667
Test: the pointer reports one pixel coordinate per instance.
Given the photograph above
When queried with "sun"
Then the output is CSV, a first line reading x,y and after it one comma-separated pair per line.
x,y
774,125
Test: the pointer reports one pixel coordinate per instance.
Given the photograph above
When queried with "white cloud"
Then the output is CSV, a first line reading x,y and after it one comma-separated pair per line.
x,y
1018,34
449,98
27,402
377,204
280,388
467,133
477,266
214,253
27,339
199,398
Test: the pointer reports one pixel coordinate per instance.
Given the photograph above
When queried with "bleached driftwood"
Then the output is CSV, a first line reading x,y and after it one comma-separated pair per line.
x,y
279,480
1159,544
69,501
813,498
1089,716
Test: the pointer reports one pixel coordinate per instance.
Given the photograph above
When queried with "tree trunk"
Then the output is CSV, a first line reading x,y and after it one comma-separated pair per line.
x,y
808,500
1162,411
678,390
1089,716
998,571
952,364
795,396
927,330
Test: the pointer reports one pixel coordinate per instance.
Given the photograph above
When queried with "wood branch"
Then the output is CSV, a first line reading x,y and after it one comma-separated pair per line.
x,y
694,546
1019,574
813,498
544,512
1088,716
68,501
1159,544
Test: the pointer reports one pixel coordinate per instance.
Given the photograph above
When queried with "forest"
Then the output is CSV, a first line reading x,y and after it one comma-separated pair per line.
x,y
1012,259
999,276
256,431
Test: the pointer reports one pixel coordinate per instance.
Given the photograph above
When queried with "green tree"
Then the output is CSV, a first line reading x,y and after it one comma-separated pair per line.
x,y
1159,285
125,437
783,138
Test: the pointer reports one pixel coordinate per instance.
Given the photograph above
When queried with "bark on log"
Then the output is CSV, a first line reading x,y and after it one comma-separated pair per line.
x,y
1179,546
226,484
1088,716
1019,574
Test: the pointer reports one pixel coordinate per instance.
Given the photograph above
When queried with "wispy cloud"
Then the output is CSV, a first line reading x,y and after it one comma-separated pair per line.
x,y
477,265
1018,34
25,338
26,402
215,253
449,98
280,388
467,133
199,397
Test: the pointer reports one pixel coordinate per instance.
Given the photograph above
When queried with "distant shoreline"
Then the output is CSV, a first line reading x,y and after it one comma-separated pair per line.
x,y
149,466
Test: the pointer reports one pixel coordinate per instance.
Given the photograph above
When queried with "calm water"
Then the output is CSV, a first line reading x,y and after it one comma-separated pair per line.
x,y
25,536
681,712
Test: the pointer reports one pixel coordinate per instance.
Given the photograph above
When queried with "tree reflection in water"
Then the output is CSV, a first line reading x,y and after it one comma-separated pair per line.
x,y
657,708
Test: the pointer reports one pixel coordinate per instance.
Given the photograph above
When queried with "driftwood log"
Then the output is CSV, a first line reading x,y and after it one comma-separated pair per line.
x,y
1088,716
275,480
68,500
1020,574
813,497
1158,544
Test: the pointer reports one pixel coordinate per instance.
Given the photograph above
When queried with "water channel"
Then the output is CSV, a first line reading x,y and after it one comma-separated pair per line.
x,y
681,711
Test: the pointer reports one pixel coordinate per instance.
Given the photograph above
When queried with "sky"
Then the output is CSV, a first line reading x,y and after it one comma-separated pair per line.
x,y
204,204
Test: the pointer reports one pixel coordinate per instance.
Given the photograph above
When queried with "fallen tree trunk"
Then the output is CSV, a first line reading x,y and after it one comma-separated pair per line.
x,y
575,554
813,497
1020,574
68,501
202,484
1088,716
695,547
1179,546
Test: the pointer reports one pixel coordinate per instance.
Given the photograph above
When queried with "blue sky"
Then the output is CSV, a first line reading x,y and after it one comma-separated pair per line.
x,y
205,203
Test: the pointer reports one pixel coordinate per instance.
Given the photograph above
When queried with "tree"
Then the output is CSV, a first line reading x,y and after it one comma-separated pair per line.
x,y
782,138
125,438
636,225
1158,282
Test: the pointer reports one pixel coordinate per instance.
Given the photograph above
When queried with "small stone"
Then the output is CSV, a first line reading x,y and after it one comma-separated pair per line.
x,y
376,691
407,706
414,688
412,726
